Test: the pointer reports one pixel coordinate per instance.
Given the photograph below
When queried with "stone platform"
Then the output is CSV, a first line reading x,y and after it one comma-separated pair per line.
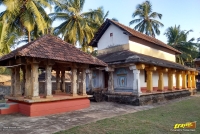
x,y
47,106
145,98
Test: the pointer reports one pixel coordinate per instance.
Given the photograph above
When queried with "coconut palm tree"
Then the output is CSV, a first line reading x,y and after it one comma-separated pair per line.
x,y
29,15
77,26
146,23
177,38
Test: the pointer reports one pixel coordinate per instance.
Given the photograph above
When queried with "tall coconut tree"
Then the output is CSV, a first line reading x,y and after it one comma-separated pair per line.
x,y
177,38
77,26
27,14
146,22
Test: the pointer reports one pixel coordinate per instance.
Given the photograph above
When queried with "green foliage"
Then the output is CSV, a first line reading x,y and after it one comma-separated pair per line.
x,y
77,27
146,21
177,38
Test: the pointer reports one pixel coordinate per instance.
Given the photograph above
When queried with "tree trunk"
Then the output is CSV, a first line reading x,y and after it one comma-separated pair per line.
x,y
29,36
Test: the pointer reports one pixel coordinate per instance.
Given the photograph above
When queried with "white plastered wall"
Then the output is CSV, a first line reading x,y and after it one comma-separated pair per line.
x,y
118,38
143,49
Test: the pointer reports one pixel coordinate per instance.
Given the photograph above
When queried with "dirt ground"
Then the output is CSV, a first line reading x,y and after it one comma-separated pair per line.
x,y
20,124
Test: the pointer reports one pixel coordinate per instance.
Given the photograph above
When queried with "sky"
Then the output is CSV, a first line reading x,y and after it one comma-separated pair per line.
x,y
185,13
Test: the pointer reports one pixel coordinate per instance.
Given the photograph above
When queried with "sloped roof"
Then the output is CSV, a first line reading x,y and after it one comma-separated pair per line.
x,y
126,56
52,47
132,32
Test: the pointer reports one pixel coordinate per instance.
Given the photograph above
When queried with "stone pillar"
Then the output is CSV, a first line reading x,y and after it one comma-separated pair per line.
x,y
189,81
78,88
17,90
184,84
170,79
58,90
193,80
74,82
12,81
35,83
149,81
48,83
110,82
160,81
63,80
83,83
28,84
136,80
24,80
90,85
178,80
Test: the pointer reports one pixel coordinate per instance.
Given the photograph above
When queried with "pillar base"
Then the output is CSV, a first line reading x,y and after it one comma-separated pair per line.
x,y
160,90
170,89
57,91
17,95
73,95
83,94
148,91
49,96
34,97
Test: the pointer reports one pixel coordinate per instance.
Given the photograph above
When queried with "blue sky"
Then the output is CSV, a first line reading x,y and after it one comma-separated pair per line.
x,y
175,12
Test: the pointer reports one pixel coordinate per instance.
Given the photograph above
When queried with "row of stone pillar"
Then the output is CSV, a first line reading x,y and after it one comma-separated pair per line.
x,y
149,70
30,78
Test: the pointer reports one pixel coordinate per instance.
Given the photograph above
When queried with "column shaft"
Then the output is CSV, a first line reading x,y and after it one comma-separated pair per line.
x,y
74,82
178,80
170,81
111,82
136,82
63,80
160,81
28,84
184,84
48,83
17,91
83,82
193,81
35,84
189,81
12,81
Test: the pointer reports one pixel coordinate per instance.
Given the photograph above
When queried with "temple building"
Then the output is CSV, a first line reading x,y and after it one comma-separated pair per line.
x,y
47,53
137,63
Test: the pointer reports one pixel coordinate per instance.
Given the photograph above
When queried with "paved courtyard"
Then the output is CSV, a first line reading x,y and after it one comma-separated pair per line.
x,y
20,124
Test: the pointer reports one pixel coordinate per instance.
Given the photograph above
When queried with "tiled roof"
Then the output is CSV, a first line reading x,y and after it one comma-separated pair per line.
x,y
126,56
132,32
51,47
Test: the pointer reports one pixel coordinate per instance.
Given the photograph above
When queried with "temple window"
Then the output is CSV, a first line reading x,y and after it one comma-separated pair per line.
x,y
122,77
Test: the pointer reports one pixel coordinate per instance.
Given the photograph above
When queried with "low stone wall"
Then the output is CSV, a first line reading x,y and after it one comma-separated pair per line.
x,y
5,89
144,99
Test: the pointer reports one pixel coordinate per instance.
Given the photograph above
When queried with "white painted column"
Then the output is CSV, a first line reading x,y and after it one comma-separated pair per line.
x,y
35,84
74,82
17,89
48,83
110,79
28,84
63,80
136,80
83,82
12,81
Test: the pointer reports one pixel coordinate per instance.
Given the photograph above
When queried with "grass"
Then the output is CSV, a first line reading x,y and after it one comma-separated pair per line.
x,y
154,121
